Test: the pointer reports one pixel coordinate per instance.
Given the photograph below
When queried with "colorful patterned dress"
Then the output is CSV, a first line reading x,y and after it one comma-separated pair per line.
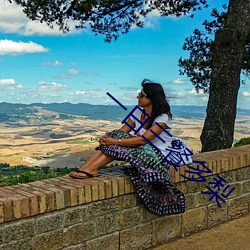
x,y
149,173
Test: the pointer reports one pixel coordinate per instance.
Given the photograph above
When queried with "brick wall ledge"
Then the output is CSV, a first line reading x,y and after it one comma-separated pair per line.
x,y
39,197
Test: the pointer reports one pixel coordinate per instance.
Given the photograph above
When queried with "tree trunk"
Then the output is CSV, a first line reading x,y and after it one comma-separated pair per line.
x,y
227,56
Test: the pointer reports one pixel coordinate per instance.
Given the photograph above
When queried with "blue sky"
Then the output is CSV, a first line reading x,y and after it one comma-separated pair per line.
x,y
38,64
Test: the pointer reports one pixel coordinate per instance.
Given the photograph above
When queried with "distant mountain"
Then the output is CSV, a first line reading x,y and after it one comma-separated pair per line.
x,y
93,112
47,112
3,118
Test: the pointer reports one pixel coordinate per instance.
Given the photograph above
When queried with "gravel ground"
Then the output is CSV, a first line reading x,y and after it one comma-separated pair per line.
x,y
232,235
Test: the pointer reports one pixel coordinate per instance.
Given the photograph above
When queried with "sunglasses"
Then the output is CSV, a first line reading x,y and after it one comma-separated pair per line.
x,y
140,94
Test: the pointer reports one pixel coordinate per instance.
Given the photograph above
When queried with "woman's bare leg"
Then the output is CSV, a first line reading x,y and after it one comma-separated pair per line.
x,y
102,160
98,160
93,158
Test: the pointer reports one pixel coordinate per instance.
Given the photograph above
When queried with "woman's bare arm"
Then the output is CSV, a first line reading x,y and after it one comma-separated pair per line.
x,y
126,128
136,140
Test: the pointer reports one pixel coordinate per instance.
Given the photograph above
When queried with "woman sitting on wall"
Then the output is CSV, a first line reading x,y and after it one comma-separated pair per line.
x,y
146,152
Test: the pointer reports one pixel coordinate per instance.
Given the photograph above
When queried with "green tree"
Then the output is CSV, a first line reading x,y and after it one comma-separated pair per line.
x,y
198,66
227,59
112,18
108,17
219,126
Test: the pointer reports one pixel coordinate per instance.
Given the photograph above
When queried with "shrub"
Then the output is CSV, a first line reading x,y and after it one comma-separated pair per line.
x,y
21,174
242,142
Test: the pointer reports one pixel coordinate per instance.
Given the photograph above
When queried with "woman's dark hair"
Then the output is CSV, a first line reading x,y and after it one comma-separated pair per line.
x,y
155,93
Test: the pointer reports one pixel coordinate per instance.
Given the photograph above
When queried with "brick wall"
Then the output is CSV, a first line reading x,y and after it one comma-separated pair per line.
x,y
105,212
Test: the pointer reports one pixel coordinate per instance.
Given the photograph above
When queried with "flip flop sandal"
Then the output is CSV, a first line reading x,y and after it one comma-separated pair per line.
x,y
87,175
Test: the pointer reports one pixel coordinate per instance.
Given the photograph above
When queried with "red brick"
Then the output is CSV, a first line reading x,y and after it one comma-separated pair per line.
x,y
181,171
50,195
101,191
17,210
127,185
177,176
95,190
210,167
59,197
73,195
121,185
1,212
78,184
41,201
42,198
114,184
115,188
33,200
34,205
25,206
107,188
87,193
6,192
133,190
26,185
50,200
25,201
66,195
7,209
172,173
39,184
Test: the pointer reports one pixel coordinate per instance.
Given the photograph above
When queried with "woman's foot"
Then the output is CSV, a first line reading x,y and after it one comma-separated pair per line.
x,y
83,174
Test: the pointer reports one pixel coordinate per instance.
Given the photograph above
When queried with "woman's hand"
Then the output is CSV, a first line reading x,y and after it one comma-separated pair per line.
x,y
103,137
107,141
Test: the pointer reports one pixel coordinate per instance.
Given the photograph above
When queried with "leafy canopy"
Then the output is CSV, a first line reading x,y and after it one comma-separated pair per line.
x,y
198,66
108,17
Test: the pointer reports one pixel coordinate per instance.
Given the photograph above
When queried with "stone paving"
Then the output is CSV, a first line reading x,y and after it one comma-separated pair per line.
x,y
233,235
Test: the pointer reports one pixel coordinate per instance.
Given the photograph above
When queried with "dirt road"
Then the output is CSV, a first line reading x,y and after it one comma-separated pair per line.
x,y
233,235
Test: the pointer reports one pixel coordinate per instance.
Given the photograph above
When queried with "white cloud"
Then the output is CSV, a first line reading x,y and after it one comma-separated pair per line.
x,y
19,86
55,63
178,81
11,17
15,48
246,93
73,72
92,94
180,94
127,88
186,97
100,89
51,86
152,19
61,76
7,82
13,20
10,84
80,92
194,92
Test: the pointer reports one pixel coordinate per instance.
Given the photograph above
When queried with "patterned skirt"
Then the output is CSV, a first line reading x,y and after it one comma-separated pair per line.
x,y
149,173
